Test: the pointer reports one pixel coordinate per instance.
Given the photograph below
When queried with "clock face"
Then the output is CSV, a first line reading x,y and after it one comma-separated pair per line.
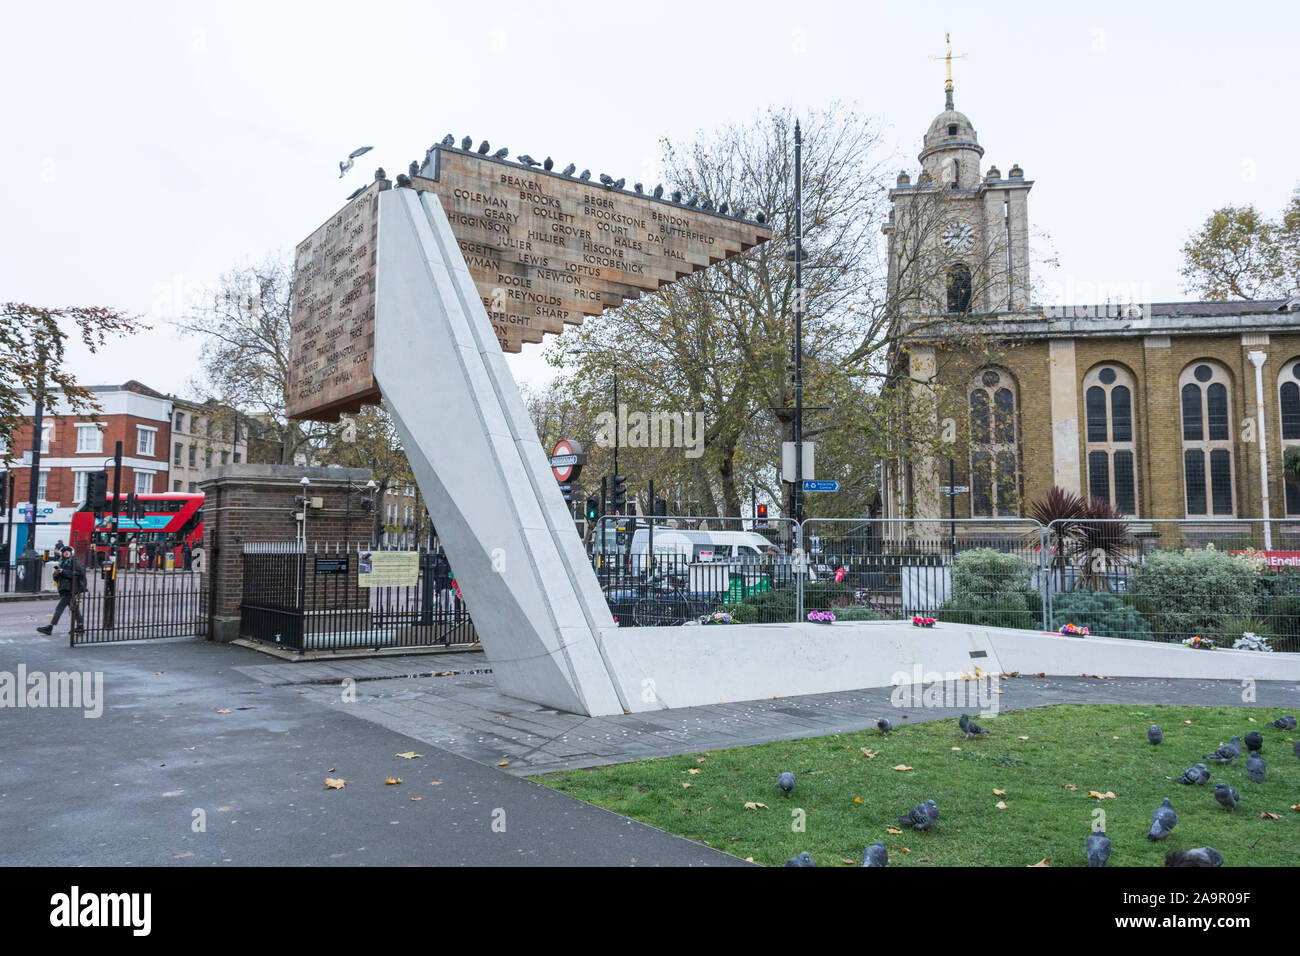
x,y
958,236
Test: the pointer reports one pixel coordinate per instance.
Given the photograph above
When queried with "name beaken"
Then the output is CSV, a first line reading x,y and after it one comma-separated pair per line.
x,y
103,909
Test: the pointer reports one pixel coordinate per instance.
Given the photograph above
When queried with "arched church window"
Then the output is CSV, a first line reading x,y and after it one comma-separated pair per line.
x,y
994,445
1111,449
959,288
1288,387
1207,440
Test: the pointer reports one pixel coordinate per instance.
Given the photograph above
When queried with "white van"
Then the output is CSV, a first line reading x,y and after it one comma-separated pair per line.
x,y
743,546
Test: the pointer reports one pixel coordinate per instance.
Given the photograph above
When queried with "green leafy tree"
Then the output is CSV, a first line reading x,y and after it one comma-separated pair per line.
x,y
1239,253
33,353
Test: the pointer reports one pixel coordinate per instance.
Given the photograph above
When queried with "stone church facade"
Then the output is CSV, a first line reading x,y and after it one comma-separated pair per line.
x,y
1152,407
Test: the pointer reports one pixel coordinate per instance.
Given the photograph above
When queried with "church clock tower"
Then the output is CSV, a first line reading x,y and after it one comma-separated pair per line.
x,y
959,242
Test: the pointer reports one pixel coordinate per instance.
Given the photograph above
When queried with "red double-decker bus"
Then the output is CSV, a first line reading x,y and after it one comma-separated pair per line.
x,y
170,520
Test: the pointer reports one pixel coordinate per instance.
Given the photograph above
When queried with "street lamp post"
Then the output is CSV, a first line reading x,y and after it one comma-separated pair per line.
x,y
798,323
30,560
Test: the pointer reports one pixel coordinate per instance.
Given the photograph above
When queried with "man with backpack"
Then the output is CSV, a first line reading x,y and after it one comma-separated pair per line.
x,y
72,580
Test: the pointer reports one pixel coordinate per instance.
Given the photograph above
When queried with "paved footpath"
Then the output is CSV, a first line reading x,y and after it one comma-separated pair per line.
x,y
124,788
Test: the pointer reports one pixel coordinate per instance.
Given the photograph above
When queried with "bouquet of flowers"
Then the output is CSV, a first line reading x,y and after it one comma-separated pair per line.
x,y
1073,630
918,621
1199,643
717,617
821,617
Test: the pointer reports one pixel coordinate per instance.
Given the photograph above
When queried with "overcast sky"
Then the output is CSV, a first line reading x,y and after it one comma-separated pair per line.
x,y
149,147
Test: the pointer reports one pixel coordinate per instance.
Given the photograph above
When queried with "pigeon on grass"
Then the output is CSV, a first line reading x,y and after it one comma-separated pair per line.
x,y
1198,775
803,859
1254,740
875,855
1097,848
786,783
969,727
1282,723
1201,856
1255,768
1163,821
1226,795
1155,735
921,816
1227,753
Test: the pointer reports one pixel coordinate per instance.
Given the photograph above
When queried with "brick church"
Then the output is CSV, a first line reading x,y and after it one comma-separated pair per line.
x,y
1151,407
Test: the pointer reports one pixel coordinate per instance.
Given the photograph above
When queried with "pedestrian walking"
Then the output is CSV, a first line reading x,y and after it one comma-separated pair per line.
x,y
150,551
72,581
187,555
442,581
133,550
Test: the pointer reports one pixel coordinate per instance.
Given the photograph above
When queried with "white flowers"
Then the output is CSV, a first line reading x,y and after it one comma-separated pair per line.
x,y
1250,641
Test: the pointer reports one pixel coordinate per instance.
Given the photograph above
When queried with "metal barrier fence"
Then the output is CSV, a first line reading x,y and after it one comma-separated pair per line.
x,y
969,571
1156,580
313,599
678,569
132,605
1170,581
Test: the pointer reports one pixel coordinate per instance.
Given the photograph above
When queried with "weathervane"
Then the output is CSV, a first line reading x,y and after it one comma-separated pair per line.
x,y
948,58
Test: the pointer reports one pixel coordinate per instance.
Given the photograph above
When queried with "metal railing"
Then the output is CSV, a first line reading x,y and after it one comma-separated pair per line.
x,y
312,599
1151,579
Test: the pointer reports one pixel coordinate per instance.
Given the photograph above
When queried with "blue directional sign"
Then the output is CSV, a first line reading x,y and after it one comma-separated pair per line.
x,y
821,486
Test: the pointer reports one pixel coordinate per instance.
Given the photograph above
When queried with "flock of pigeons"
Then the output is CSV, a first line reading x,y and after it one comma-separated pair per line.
x,y
609,182
923,816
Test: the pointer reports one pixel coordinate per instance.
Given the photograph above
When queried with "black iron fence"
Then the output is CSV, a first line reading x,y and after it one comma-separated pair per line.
x,y
321,598
121,605
1235,583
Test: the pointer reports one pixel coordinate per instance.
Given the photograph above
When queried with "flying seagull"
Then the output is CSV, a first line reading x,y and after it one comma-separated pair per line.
x,y
345,166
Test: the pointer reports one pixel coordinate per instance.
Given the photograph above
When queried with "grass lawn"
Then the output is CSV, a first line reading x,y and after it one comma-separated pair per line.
x,y
852,800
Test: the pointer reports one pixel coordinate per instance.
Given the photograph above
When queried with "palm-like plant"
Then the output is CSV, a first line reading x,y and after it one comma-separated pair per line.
x,y
1059,511
1090,531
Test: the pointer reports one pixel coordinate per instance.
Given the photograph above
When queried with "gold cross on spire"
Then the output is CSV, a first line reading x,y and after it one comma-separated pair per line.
x,y
948,58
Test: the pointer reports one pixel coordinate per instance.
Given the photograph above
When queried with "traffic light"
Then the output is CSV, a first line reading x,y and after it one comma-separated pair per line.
x,y
762,516
618,499
97,491
593,508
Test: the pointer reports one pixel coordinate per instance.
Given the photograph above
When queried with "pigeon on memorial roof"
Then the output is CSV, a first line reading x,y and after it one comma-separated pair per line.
x,y
760,217
693,201
403,179
568,170
528,160
620,183
606,179
467,144
501,153
723,209
449,140
345,166
483,147
414,168
380,174
585,174
548,164
707,204
637,187
659,192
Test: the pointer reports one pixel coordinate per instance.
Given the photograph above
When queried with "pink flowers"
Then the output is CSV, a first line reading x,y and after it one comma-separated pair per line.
x,y
918,621
821,617
1073,629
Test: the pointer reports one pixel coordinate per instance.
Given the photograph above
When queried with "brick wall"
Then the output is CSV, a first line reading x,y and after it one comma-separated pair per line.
x,y
247,503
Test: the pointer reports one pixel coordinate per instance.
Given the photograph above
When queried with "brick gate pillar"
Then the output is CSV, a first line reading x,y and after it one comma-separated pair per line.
x,y
256,503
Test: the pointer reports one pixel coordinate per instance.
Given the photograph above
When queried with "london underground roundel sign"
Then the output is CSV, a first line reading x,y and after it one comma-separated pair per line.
x,y
567,460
